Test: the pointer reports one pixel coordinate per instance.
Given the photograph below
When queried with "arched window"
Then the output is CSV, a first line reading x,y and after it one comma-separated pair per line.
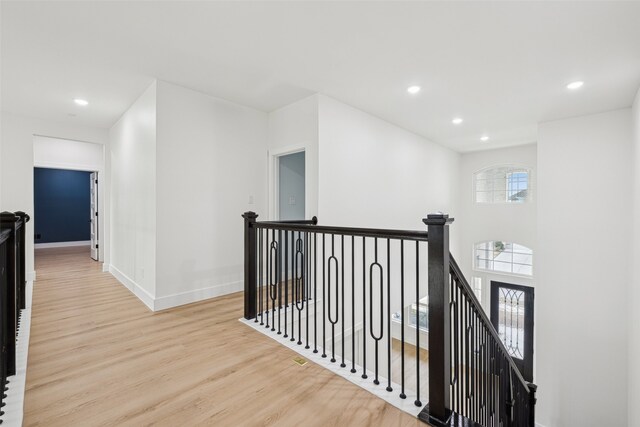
x,y
503,257
502,184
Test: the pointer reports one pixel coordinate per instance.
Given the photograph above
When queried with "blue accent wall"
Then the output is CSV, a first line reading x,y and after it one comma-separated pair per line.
x,y
62,204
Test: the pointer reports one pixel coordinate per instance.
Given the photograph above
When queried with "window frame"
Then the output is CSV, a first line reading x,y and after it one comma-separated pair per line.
x,y
511,169
503,273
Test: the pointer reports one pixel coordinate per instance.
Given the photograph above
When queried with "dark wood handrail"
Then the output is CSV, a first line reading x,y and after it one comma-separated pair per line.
x,y
310,226
466,288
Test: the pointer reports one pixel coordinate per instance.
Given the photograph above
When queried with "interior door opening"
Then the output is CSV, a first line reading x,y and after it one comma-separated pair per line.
x,y
66,209
291,186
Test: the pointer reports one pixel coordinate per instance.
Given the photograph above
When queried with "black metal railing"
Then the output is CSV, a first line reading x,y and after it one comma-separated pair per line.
x,y
486,386
12,292
358,297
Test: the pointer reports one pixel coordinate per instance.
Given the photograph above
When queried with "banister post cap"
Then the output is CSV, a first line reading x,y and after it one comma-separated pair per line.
x,y
438,218
315,220
250,215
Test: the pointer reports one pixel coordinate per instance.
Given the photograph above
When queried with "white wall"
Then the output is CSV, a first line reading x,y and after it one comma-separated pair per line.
x,y
584,218
211,159
375,174
510,222
76,155
133,197
294,128
634,283
16,167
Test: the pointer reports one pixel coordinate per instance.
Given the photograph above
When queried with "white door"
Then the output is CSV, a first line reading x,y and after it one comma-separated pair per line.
x,y
94,215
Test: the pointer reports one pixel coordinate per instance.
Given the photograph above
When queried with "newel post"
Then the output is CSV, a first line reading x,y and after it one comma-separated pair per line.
x,y
532,403
250,278
438,411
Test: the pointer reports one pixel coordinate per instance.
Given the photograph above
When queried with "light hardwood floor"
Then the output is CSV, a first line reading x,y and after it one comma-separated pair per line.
x,y
99,357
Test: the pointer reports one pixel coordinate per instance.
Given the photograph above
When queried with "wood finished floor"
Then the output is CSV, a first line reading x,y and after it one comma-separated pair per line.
x,y
99,357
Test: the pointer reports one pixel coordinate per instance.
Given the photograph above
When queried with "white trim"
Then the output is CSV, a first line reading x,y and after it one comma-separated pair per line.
x,y
67,166
188,297
105,267
136,289
62,244
14,409
31,276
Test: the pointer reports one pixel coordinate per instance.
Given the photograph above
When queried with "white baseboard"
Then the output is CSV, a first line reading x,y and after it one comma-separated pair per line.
x,y
136,289
62,244
31,276
182,298
105,267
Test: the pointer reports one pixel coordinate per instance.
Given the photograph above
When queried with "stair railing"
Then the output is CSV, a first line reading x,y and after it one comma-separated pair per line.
x,y
322,287
12,292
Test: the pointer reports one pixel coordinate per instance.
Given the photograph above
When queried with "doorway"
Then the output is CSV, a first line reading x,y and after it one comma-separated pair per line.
x,y
291,186
66,208
512,316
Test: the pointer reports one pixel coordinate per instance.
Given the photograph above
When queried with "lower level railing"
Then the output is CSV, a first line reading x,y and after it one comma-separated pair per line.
x,y
390,306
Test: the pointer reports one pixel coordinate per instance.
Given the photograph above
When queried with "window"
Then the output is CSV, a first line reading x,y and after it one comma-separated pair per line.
x,y
504,184
503,257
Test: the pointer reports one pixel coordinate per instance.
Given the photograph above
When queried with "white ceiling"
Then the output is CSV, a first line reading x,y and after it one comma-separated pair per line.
x,y
502,66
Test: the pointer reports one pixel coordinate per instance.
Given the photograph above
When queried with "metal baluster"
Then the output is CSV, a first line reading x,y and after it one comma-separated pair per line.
x,y
324,318
273,278
294,271
364,308
315,292
376,338
402,317
286,280
307,264
342,365
260,290
268,277
279,278
388,315
353,306
417,401
337,302
300,284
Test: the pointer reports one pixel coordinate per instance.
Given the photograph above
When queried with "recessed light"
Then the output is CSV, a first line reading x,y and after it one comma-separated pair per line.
x,y
456,121
484,138
81,102
413,89
575,85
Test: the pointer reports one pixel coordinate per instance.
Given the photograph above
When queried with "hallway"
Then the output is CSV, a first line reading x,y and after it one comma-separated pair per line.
x,y
98,356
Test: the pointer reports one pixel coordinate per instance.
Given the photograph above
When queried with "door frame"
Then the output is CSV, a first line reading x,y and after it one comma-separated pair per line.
x,y
273,156
526,364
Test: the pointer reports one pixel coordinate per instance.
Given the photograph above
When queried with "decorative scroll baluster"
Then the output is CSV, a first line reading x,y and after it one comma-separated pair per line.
x,y
375,337
324,295
333,320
